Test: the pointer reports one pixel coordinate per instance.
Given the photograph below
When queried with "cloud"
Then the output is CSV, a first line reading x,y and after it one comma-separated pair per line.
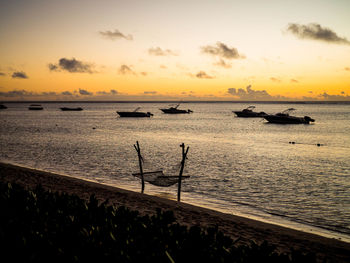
x,y
19,75
223,51
294,81
85,92
72,66
275,79
163,67
111,92
203,75
150,92
67,93
53,67
116,34
347,69
16,93
124,69
222,63
327,96
2,74
315,31
250,94
157,51
144,73
50,93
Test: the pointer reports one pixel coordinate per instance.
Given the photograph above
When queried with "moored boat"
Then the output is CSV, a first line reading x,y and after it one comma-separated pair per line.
x,y
71,109
284,118
249,113
175,110
135,113
35,107
2,107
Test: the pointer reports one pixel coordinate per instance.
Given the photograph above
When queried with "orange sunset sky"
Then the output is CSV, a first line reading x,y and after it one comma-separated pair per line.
x,y
174,50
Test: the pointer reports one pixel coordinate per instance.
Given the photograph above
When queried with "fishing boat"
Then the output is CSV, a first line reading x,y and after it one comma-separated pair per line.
x,y
35,107
249,113
175,110
284,118
71,109
135,113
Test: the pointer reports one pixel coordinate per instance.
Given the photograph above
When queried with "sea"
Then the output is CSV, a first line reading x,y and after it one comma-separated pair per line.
x,y
294,175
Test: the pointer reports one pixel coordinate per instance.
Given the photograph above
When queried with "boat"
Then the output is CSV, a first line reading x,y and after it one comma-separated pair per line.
x,y
135,113
175,110
249,113
2,107
71,109
35,107
284,118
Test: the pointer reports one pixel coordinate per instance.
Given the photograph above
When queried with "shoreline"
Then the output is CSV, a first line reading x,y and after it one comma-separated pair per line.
x,y
234,226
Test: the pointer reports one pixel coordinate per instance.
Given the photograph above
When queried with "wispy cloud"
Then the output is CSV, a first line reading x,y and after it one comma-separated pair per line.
x,y
315,31
116,34
157,51
67,93
203,75
347,69
85,92
294,81
275,79
222,50
19,75
111,92
125,69
223,63
72,66
343,96
150,92
15,93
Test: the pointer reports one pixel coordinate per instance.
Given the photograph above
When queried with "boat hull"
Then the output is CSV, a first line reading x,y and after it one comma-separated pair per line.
x,y
129,114
288,119
175,111
71,109
242,114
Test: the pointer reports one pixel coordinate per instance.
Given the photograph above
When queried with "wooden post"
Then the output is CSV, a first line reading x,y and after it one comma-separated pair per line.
x,y
137,148
184,154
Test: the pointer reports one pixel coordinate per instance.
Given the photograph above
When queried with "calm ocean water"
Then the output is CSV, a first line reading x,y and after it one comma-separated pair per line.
x,y
237,165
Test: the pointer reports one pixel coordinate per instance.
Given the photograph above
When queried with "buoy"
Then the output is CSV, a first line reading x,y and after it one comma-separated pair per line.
x,y
318,144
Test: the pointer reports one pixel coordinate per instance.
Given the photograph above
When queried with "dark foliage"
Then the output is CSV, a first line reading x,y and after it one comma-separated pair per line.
x,y
41,226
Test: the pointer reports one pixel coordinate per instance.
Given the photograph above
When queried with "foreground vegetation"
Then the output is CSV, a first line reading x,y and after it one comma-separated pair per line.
x,y
41,226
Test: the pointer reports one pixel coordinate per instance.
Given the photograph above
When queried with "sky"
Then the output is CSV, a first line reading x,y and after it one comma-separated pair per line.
x,y
222,50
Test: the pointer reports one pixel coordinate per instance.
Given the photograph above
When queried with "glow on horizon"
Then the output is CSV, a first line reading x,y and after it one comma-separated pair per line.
x,y
171,50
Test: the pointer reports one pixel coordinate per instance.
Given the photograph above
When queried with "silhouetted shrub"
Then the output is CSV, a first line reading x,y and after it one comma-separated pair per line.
x,y
41,226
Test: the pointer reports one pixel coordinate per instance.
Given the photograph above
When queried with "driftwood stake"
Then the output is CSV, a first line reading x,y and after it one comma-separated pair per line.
x,y
138,150
184,154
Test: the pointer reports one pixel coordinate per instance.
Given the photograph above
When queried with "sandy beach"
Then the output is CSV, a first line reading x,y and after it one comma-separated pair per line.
x,y
246,229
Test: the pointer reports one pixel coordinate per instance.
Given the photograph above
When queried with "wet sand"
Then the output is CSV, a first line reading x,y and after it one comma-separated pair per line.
x,y
246,229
